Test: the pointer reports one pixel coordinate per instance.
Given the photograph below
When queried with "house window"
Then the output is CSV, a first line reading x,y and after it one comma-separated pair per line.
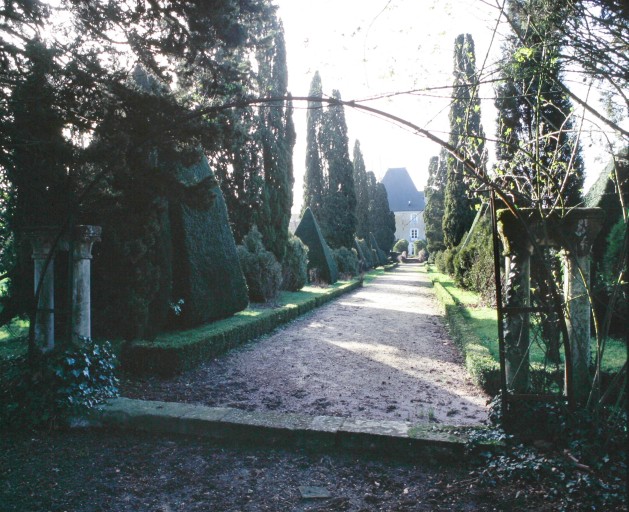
x,y
414,234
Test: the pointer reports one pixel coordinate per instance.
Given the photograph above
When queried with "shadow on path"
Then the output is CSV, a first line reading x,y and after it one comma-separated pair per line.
x,y
381,352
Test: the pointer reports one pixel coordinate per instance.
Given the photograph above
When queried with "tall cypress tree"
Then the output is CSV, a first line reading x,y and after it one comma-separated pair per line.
x,y
361,184
277,140
338,219
313,180
466,134
382,219
537,154
434,193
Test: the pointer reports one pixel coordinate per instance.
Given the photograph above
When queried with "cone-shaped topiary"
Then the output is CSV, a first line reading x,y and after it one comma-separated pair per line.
x,y
382,257
206,273
319,254
364,253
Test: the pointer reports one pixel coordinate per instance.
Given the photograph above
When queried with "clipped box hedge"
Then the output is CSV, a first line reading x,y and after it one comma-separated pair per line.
x,y
479,362
175,352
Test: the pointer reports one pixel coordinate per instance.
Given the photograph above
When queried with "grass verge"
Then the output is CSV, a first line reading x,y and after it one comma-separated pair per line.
x,y
474,329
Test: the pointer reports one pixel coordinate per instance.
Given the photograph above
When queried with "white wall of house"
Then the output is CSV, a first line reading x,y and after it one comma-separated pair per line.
x,y
410,226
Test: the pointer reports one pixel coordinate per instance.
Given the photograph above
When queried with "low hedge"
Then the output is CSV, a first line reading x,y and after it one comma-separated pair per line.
x,y
175,352
479,362
481,355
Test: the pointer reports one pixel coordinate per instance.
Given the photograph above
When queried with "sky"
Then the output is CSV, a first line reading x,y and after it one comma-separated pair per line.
x,y
371,48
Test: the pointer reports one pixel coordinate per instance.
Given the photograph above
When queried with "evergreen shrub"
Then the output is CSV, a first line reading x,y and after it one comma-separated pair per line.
x,y
295,265
419,245
381,257
474,263
49,389
447,262
614,252
347,262
262,271
364,254
401,245
319,254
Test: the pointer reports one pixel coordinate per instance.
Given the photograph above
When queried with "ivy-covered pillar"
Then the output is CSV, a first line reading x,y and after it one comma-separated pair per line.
x,y
581,227
84,239
516,316
42,242
517,301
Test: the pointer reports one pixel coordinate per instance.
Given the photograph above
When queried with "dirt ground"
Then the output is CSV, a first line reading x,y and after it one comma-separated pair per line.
x,y
89,471
381,352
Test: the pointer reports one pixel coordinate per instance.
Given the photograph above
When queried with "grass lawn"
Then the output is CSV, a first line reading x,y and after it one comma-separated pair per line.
x,y
483,322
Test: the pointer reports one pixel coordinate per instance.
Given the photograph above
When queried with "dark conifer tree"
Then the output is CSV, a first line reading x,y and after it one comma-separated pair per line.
x,y
466,134
277,140
538,155
338,219
382,219
434,193
363,196
314,183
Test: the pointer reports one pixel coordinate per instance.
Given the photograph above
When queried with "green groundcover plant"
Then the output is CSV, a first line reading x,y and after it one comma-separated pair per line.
x,y
48,390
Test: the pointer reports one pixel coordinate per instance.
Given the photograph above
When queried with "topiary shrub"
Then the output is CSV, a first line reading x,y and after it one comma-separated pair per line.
x,y
419,245
347,262
319,254
381,257
448,260
462,262
295,265
401,246
364,254
260,268
52,388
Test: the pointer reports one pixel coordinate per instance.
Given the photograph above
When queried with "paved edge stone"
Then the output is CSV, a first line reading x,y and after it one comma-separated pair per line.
x,y
392,438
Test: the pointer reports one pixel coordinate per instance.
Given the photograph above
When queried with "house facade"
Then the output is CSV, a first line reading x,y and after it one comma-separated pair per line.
x,y
407,203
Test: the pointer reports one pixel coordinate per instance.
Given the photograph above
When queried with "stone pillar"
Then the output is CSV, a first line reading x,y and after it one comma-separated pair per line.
x,y
42,241
576,274
583,227
516,318
83,241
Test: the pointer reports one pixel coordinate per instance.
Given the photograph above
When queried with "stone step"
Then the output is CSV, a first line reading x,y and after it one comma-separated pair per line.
x,y
393,438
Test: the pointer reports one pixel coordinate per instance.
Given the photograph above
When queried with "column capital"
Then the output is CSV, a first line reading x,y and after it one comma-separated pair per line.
x,y
573,230
42,239
85,236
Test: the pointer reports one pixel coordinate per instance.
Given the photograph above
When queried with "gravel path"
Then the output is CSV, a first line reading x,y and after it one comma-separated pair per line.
x,y
381,352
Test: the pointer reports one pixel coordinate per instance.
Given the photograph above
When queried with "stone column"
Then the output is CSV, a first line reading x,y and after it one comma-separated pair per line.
x,y
517,300
516,318
583,226
42,240
83,241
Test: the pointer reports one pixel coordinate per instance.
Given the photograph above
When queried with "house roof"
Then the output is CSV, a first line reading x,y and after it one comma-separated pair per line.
x,y
403,195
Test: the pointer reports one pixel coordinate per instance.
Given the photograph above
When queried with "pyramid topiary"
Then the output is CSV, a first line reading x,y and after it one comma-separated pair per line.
x,y
382,257
364,253
319,254
206,273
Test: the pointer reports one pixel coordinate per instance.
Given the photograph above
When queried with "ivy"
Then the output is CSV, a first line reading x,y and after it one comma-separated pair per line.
x,y
50,389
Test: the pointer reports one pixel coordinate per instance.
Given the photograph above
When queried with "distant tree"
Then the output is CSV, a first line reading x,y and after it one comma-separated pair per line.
x,y
314,184
467,135
338,218
382,219
434,193
363,194
277,136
